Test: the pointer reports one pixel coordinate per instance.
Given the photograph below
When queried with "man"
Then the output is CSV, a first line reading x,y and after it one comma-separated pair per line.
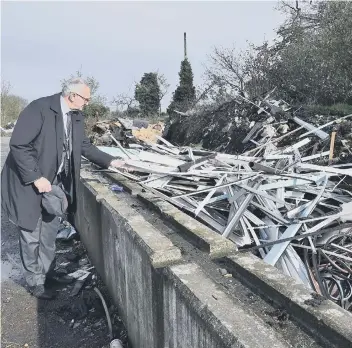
x,y
45,149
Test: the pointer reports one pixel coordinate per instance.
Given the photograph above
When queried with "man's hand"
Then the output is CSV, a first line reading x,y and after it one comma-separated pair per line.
x,y
43,185
121,165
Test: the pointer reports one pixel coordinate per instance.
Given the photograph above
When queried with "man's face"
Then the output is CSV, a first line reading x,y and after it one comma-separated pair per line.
x,y
81,98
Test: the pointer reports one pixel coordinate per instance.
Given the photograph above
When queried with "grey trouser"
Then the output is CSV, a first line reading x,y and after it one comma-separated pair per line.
x,y
38,249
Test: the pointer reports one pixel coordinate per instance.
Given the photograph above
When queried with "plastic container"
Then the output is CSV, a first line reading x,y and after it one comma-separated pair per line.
x,y
116,188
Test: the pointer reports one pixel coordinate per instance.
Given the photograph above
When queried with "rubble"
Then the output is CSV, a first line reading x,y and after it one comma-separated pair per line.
x,y
287,197
125,131
8,128
80,307
66,231
224,127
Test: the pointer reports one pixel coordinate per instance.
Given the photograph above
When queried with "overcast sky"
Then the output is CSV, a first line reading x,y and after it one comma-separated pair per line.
x,y
116,42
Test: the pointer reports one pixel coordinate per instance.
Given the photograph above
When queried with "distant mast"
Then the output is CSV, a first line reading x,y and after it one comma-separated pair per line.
x,y
185,44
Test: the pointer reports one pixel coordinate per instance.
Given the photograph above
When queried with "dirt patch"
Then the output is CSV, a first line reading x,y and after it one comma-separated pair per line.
x,y
315,301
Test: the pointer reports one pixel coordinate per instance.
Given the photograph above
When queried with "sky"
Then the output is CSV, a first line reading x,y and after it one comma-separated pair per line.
x,y
43,42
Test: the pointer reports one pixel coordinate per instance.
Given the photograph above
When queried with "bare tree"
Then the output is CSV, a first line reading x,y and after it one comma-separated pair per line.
x,y
11,105
301,15
227,68
203,92
5,88
163,84
124,102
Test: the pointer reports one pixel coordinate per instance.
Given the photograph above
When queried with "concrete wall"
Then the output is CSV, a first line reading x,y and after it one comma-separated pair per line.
x,y
164,300
127,261
88,220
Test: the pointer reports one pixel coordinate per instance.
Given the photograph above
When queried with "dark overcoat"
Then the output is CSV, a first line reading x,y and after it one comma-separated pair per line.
x,y
36,149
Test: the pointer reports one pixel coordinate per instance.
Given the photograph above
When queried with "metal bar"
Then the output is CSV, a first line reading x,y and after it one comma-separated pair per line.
x,y
254,236
120,146
315,167
318,155
234,221
127,175
270,213
276,252
236,195
295,146
160,159
325,125
164,141
298,237
220,186
341,248
321,134
261,193
205,216
209,195
337,255
275,140
218,198
172,150
250,216
278,249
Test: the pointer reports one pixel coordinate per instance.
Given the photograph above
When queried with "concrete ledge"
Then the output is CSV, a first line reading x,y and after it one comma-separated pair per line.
x,y
189,293
197,233
161,251
128,185
325,318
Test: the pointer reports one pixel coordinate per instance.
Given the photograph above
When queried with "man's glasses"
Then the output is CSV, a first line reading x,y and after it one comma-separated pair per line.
x,y
86,100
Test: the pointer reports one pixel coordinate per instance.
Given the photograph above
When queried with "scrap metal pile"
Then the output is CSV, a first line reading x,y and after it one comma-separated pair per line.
x,y
276,200
237,124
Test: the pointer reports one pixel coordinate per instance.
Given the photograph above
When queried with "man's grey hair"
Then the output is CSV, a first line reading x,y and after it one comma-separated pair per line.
x,y
73,85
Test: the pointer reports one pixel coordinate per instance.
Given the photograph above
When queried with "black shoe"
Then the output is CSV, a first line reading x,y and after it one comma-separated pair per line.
x,y
40,292
60,279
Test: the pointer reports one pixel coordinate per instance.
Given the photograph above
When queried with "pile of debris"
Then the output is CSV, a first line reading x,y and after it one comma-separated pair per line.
x,y
277,199
126,131
84,304
8,128
238,124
